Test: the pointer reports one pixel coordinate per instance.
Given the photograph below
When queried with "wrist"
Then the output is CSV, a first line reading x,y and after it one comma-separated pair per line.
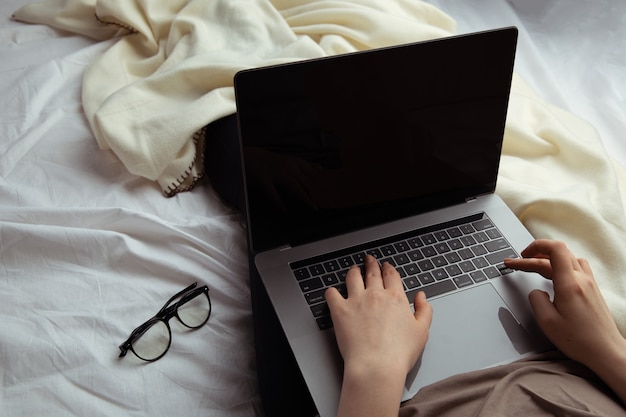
x,y
377,387
611,358
379,371
378,368
610,366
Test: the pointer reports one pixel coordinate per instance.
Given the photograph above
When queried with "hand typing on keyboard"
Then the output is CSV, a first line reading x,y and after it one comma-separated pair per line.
x,y
437,259
578,320
378,335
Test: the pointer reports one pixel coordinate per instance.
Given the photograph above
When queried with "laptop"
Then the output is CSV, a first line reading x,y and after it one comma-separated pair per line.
x,y
392,152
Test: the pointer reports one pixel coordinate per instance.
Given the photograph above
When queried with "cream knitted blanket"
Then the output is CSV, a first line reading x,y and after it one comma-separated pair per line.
x,y
169,72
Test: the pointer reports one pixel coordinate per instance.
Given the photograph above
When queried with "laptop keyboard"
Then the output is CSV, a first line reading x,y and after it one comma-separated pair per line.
x,y
437,260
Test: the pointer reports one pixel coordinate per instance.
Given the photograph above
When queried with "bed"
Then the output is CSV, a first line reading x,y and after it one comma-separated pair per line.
x,y
97,232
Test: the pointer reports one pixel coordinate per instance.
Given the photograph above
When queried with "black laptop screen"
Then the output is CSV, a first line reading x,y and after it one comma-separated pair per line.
x,y
337,144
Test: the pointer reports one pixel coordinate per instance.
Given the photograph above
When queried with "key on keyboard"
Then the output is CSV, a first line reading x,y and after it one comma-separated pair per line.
x,y
437,260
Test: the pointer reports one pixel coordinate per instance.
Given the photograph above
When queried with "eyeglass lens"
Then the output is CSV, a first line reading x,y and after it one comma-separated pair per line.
x,y
194,312
192,309
154,342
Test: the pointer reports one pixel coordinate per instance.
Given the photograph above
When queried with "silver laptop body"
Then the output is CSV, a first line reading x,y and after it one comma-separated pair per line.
x,y
378,151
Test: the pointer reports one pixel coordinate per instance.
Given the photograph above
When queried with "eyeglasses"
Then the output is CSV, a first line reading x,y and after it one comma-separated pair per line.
x,y
151,340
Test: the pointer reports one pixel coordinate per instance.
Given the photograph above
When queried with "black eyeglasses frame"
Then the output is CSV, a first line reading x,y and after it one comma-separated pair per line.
x,y
164,315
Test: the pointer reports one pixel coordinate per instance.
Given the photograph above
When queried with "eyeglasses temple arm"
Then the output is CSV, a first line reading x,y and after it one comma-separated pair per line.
x,y
175,296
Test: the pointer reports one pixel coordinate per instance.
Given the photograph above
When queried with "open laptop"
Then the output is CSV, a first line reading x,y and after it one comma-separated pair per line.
x,y
393,152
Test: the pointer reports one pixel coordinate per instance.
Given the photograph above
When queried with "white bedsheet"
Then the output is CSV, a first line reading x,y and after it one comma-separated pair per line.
x,y
88,250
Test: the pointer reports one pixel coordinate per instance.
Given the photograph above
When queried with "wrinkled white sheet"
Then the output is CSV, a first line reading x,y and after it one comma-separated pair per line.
x,y
88,250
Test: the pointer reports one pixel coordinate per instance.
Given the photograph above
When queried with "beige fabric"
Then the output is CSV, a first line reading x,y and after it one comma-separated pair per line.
x,y
148,97
558,179
545,385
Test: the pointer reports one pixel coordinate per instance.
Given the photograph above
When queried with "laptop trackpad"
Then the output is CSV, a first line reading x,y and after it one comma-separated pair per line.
x,y
471,329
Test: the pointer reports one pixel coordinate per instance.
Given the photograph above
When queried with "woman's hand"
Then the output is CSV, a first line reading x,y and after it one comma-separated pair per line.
x,y
379,337
578,320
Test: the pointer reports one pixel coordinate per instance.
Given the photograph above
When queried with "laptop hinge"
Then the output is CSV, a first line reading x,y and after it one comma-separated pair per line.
x,y
284,248
470,199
